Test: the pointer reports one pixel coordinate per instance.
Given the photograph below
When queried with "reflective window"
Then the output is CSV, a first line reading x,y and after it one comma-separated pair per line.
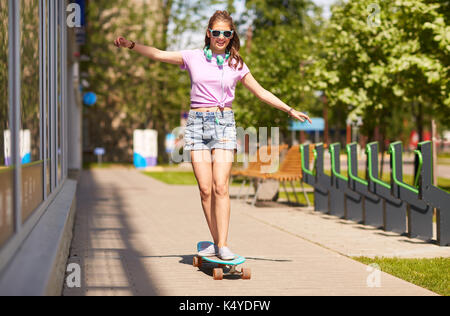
x,y
59,96
6,170
46,98
52,93
30,135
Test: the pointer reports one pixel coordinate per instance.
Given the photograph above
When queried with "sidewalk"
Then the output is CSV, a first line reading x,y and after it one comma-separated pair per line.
x,y
134,235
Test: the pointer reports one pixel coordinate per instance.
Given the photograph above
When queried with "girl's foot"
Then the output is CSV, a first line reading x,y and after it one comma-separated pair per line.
x,y
209,251
226,254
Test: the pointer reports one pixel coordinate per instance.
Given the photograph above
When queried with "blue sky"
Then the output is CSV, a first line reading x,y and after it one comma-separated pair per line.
x,y
192,40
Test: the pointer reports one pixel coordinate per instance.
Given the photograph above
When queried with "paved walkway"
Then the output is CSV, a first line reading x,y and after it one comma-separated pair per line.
x,y
136,236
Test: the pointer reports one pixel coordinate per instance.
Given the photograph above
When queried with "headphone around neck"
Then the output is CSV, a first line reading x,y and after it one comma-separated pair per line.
x,y
219,58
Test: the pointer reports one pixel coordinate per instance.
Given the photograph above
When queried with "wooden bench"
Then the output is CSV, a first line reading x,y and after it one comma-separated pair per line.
x,y
254,167
290,170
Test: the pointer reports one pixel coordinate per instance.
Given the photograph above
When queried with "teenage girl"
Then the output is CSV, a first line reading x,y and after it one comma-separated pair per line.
x,y
210,134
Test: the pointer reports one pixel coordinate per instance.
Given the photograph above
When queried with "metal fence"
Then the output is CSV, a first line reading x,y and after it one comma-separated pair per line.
x,y
393,206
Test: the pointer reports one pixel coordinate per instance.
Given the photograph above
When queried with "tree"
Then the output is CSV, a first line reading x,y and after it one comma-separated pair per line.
x,y
134,91
280,44
388,71
4,80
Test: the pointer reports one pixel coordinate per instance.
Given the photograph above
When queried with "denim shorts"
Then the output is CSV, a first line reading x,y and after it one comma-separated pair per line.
x,y
204,132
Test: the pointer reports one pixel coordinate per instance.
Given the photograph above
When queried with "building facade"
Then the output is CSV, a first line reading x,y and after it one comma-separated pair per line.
x,y
40,143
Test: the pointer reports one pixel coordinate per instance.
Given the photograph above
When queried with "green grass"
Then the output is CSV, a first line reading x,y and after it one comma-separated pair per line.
x,y
443,155
92,165
301,197
444,184
174,177
432,274
181,177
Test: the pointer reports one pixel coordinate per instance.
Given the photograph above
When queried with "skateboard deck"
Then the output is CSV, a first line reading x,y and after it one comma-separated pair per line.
x,y
231,265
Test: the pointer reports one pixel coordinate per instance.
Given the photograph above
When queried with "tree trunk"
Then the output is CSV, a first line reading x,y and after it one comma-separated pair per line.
x,y
382,150
419,121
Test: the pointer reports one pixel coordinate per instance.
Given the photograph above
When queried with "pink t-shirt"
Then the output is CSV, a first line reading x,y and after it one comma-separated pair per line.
x,y
206,82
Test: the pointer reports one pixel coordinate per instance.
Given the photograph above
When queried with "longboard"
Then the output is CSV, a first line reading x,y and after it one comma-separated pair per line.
x,y
231,265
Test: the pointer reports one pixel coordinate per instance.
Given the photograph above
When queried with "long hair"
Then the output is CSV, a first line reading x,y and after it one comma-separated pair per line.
x,y
234,45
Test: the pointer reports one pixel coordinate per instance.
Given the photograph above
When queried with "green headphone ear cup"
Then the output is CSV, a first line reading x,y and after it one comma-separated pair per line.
x,y
209,54
219,60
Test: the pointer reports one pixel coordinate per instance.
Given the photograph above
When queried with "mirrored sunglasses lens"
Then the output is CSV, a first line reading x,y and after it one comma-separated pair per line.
x,y
216,33
227,34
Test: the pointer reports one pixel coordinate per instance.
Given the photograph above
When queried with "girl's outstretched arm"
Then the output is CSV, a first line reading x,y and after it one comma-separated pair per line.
x,y
268,97
151,52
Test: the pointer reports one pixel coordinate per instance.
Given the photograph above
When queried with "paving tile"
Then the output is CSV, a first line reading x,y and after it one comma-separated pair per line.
x,y
137,236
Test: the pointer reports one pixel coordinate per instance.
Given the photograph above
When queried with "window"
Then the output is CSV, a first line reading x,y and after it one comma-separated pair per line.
x,y
6,168
32,77
45,92
30,133
59,94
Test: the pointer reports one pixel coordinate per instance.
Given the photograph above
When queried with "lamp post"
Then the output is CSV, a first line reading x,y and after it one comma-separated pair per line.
x,y
325,117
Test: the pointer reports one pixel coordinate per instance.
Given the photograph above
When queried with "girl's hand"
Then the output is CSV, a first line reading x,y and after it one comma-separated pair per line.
x,y
122,42
299,116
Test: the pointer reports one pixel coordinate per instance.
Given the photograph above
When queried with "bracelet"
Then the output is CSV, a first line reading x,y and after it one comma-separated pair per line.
x,y
132,45
289,112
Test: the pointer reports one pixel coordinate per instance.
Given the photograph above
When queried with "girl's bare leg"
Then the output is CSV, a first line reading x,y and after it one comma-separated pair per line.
x,y
221,171
202,165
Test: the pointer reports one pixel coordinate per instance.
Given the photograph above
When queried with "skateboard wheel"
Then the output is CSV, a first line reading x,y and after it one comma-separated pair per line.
x,y
218,274
246,273
197,262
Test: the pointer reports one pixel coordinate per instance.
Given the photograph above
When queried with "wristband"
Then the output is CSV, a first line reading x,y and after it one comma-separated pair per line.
x,y
132,45
289,112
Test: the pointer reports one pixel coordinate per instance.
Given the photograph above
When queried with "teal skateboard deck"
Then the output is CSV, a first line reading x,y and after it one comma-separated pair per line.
x,y
231,265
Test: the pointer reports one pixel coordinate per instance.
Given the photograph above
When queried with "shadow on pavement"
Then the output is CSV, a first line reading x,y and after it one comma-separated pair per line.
x,y
109,263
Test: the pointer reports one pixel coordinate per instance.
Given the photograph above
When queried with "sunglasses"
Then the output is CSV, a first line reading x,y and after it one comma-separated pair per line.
x,y
216,33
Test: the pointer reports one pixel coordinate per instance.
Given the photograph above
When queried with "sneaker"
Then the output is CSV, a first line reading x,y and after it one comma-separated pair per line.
x,y
226,254
209,251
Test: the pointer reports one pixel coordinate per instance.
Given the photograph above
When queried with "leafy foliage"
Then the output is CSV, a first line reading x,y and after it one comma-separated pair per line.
x,y
282,33
385,73
135,91
4,81
388,72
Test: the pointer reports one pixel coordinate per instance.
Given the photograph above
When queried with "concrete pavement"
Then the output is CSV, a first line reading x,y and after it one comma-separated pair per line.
x,y
134,235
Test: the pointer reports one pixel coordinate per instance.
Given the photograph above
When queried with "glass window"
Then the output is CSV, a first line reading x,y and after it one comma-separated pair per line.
x,y
52,93
46,98
59,98
6,170
30,135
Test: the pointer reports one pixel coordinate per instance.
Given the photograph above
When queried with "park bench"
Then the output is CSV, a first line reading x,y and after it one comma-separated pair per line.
x,y
254,167
290,170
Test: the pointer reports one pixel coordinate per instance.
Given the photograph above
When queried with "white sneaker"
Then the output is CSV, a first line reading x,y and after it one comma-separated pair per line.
x,y
226,254
209,251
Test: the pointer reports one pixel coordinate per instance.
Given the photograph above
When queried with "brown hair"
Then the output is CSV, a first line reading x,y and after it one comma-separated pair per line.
x,y
234,45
